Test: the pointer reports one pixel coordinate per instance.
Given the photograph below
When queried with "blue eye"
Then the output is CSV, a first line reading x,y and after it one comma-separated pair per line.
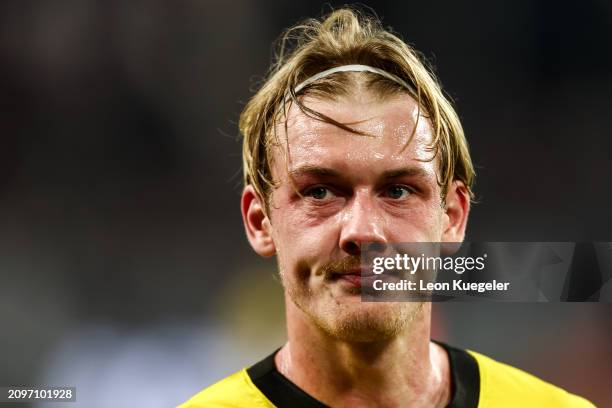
x,y
398,192
318,193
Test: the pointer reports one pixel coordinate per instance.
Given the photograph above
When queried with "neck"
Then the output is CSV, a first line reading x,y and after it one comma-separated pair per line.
x,y
406,370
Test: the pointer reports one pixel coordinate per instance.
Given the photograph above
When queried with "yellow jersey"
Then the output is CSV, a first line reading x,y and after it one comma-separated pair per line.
x,y
477,382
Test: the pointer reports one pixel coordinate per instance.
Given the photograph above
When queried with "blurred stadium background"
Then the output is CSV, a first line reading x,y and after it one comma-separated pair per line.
x,y
123,266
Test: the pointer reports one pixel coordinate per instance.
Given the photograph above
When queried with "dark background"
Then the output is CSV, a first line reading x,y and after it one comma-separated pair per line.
x,y
123,264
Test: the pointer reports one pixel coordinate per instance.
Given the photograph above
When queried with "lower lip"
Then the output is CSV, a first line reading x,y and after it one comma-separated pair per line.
x,y
354,280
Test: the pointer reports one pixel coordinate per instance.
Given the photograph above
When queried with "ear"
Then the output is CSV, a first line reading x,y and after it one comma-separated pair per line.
x,y
256,222
457,211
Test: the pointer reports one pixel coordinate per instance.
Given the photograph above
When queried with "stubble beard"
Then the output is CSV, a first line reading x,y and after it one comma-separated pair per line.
x,y
346,318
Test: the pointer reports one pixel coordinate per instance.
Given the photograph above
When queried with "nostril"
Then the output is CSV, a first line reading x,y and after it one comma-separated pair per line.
x,y
352,248
375,247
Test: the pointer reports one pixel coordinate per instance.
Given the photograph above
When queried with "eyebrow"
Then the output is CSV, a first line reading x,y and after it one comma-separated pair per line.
x,y
405,171
309,170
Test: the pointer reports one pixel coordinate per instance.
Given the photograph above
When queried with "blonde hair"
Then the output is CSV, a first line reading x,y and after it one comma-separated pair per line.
x,y
347,36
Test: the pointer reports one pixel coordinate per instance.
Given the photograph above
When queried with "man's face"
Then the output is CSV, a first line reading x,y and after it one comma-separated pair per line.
x,y
350,189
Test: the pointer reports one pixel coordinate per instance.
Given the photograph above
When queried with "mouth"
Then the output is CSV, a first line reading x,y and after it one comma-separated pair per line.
x,y
354,277
350,278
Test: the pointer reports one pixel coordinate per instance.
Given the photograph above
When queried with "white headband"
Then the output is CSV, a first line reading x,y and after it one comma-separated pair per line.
x,y
354,68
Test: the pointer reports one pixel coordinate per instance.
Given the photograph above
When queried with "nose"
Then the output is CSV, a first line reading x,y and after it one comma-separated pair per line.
x,y
362,224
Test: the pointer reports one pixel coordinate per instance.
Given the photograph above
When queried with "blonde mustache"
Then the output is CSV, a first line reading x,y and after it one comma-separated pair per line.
x,y
341,266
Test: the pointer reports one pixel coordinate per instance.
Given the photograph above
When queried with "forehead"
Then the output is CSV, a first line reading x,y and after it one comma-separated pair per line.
x,y
388,126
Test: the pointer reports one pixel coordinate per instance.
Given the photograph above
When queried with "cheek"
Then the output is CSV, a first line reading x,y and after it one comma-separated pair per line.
x,y
420,224
301,236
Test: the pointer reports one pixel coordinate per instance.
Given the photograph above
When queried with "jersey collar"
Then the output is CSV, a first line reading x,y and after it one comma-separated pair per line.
x,y
283,393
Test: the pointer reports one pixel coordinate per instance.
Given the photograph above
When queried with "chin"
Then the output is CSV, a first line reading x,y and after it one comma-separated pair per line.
x,y
354,321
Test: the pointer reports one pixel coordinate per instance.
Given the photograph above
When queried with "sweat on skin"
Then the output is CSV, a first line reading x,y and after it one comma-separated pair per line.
x,y
335,190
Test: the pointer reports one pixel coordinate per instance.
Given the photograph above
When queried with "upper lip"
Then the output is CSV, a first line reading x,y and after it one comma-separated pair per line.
x,y
356,271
